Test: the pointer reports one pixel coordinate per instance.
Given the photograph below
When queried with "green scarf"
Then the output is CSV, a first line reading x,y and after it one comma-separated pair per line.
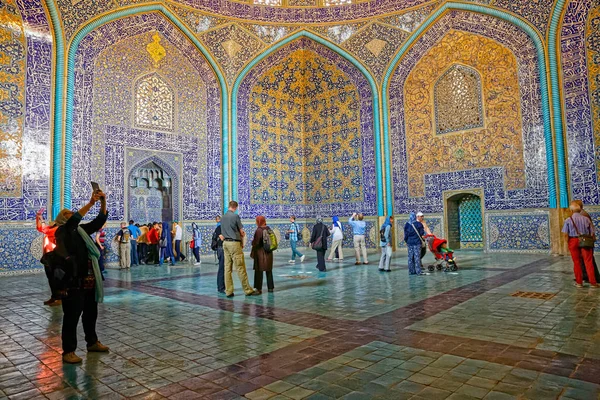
x,y
94,254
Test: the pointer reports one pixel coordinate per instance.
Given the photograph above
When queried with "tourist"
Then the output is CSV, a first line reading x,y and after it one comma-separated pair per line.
x,y
84,289
135,234
143,244
217,245
294,232
196,242
166,245
575,226
124,244
596,272
385,242
336,240
178,235
318,241
359,229
421,219
153,240
232,232
100,239
49,244
263,260
413,236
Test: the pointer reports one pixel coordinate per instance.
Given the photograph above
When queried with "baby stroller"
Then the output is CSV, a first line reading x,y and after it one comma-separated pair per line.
x,y
444,257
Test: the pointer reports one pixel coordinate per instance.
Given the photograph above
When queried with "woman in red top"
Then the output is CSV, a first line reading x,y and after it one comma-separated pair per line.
x,y
153,237
49,245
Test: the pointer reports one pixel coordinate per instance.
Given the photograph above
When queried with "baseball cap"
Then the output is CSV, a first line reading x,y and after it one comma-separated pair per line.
x,y
419,214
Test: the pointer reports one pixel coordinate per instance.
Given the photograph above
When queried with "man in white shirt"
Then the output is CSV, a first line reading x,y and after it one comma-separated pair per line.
x,y
178,237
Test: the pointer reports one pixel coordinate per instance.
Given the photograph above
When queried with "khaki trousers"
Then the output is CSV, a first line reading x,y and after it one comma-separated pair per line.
x,y
337,244
124,255
360,245
234,258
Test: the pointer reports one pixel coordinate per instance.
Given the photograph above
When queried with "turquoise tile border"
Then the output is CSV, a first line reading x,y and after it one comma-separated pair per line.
x,y
535,37
381,202
555,24
70,82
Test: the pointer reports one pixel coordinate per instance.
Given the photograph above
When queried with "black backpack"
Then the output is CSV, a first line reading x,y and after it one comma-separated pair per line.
x,y
216,241
382,235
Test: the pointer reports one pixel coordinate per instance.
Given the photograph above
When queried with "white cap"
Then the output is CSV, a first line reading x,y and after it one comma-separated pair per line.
x,y
419,214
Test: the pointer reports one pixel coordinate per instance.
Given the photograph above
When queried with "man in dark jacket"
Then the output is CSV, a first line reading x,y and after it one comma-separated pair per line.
x,y
79,279
217,245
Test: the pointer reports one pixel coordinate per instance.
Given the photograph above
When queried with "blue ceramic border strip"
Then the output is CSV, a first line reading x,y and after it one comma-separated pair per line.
x,y
532,33
71,83
357,64
561,162
57,139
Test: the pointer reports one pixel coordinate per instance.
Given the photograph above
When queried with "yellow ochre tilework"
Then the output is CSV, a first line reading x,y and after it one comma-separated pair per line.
x,y
12,99
305,133
498,144
592,35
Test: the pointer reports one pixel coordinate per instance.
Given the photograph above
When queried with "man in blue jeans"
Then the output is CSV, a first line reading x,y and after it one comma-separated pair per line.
x,y
293,231
135,234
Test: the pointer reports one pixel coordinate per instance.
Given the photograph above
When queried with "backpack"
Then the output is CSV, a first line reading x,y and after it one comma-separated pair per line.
x,y
214,244
382,235
298,233
269,240
125,235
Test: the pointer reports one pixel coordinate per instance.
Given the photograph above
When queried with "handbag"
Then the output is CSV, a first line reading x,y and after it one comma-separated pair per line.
x,y
287,236
318,243
162,242
423,244
585,241
192,244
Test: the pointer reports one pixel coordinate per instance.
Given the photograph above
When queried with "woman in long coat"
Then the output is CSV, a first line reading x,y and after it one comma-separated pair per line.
x,y
263,261
320,246
166,245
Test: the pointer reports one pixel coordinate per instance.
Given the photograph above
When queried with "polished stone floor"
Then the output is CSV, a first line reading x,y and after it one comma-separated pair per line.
x,y
504,326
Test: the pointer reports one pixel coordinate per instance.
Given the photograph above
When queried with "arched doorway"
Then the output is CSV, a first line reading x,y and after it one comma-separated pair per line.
x,y
150,194
463,214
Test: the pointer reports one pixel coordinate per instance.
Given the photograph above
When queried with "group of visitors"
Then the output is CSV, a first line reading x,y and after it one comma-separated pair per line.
x,y
149,244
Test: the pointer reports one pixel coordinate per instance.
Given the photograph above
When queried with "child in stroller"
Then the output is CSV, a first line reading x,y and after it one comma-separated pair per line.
x,y
444,256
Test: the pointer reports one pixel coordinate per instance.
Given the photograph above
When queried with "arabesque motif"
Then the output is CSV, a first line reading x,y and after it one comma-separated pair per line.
x,y
499,144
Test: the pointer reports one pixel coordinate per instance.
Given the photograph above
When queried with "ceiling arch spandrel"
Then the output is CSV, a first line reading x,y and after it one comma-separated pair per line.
x,y
232,47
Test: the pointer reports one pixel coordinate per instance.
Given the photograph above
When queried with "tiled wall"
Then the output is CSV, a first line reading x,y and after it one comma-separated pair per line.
x,y
519,232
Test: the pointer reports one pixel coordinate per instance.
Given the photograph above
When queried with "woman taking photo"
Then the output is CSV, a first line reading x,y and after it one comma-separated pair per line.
x,y
82,281
263,260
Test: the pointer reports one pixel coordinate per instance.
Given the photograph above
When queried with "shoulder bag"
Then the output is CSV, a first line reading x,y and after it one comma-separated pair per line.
x,y
423,244
318,243
586,241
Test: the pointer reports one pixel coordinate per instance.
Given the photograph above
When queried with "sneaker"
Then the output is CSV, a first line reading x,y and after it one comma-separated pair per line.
x,y
302,259
366,262
197,263
329,259
357,263
336,259
98,348
596,286
578,285
292,261
422,273
71,358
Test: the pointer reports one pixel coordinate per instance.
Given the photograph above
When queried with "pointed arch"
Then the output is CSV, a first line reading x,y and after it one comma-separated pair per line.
x,y
65,75
542,67
383,203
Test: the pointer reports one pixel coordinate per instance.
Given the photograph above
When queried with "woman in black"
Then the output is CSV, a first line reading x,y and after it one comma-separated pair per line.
x,y
318,241
82,279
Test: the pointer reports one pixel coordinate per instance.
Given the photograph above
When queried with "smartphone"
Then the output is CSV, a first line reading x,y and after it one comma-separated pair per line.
x,y
95,186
